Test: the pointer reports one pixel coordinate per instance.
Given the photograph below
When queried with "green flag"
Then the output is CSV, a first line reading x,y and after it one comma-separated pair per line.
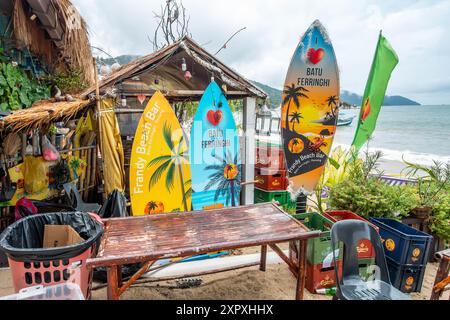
x,y
384,63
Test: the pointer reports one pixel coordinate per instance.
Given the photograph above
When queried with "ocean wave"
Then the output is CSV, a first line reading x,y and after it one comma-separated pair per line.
x,y
425,159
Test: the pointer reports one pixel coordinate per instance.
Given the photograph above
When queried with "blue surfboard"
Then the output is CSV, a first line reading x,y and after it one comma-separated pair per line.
x,y
214,153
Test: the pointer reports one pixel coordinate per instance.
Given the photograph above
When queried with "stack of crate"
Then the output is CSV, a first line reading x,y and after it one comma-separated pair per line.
x,y
271,177
407,252
320,268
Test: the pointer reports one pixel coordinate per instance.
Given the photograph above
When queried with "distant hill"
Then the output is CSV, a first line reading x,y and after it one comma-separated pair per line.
x,y
353,98
124,59
346,96
275,94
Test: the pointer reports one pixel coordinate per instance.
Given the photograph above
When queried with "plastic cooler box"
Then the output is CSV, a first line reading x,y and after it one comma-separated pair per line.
x,y
402,244
31,265
365,248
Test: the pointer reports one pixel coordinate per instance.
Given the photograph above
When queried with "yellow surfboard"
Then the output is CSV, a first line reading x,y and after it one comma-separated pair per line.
x,y
160,176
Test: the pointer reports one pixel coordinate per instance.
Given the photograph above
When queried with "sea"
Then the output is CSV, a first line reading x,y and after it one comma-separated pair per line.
x,y
417,134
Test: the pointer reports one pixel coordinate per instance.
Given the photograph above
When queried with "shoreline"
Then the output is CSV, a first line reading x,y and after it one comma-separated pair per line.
x,y
390,162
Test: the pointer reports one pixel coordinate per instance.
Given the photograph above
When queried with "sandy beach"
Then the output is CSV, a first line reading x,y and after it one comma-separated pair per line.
x,y
277,283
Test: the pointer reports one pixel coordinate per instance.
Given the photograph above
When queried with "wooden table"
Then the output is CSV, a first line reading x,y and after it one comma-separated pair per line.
x,y
179,235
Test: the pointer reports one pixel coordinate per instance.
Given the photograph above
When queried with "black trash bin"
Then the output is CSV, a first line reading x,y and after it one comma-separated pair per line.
x,y
33,265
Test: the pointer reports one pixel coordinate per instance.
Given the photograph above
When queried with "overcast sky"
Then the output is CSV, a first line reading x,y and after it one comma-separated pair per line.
x,y
418,31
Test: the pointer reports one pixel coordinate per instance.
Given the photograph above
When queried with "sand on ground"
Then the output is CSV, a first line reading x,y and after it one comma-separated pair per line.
x,y
277,283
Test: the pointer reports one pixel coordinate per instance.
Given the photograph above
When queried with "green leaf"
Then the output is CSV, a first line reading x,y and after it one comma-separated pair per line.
x,y
334,163
3,81
4,106
24,98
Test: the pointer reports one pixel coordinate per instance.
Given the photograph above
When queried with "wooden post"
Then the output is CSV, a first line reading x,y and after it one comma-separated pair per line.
x,y
35,142
24,144
99,123
248,157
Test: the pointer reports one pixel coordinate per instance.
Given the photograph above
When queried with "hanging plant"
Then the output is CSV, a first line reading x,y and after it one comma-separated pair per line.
x,y
17,91
70,82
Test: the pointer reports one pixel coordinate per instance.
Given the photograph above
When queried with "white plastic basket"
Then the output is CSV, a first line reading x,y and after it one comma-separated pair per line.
x,y
65,291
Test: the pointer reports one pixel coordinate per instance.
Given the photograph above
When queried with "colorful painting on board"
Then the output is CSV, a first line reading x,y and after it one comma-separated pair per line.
x,y
214,153
160,177
310,108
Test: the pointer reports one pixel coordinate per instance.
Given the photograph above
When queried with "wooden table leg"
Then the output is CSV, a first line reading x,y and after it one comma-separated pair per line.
x,y
263,264
113,282
301,269
119,276
442,273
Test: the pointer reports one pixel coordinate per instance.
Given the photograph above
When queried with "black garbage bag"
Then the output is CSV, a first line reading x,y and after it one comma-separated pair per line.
x,y
115,207
23,240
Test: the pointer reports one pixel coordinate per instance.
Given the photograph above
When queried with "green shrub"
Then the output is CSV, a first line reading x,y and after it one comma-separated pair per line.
x,y
440,220
17,91
373,198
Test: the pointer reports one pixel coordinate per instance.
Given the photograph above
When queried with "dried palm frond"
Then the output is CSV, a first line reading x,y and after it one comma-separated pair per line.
x,y
77,49
42,113
76,52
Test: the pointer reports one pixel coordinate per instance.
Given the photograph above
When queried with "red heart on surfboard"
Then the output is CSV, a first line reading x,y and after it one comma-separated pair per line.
x,y
315,56
214,117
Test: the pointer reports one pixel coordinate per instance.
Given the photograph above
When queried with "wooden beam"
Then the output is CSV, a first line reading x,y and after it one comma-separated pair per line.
x,y
181,93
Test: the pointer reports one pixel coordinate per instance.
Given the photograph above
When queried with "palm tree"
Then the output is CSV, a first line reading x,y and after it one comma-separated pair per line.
x,y
332,102
227,176
295,118
171,164
293,94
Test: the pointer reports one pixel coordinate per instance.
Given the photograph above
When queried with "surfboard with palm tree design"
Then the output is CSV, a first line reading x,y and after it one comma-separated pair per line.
x,y
160,176
214,153
310,109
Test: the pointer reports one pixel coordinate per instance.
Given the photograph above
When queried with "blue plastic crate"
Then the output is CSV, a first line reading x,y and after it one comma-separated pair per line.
x,y
403,244
406,278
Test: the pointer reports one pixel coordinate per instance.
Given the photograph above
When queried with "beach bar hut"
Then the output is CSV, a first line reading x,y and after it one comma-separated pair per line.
x,y
181,71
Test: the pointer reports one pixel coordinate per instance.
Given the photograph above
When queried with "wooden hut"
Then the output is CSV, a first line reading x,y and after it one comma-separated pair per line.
x,y
133,84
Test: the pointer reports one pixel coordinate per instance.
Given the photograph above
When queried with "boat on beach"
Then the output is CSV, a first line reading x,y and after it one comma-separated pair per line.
x,y
344,122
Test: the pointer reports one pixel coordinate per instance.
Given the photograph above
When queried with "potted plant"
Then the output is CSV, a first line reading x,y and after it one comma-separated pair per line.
x,y
431,185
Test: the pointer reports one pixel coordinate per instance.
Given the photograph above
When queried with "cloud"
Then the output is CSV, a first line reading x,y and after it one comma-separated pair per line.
x,y
418,30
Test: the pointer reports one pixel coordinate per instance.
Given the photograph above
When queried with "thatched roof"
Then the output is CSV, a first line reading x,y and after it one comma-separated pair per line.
x,y
56,33
44,112
165,64
41,114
